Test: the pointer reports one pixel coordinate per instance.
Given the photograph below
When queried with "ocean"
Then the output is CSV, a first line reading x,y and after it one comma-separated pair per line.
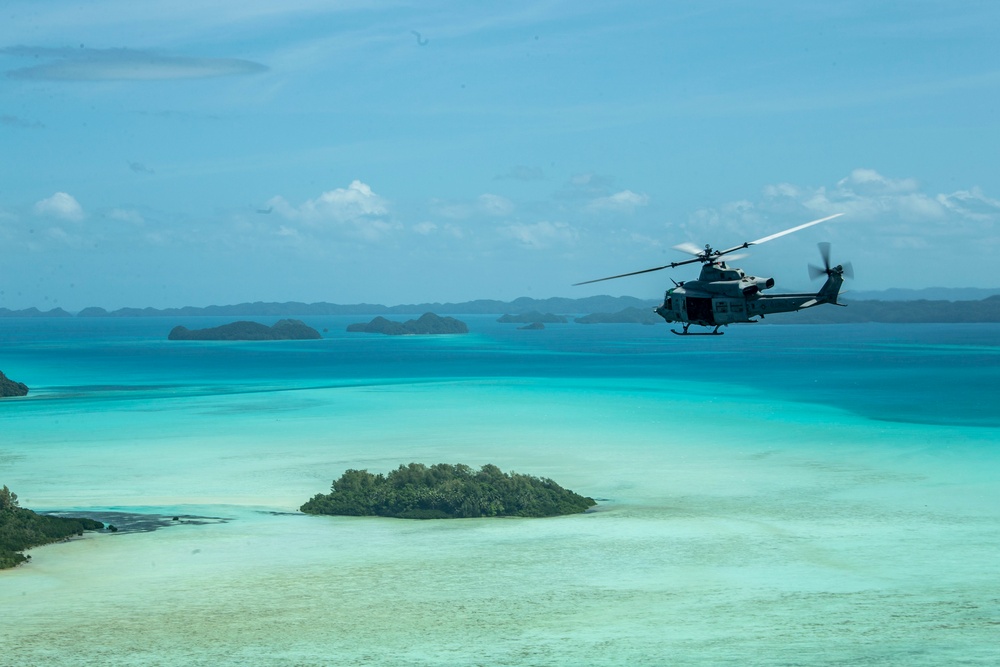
x,y
779,495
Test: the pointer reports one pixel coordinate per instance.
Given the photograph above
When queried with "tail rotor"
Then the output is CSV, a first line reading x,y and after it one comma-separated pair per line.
x,y
846,269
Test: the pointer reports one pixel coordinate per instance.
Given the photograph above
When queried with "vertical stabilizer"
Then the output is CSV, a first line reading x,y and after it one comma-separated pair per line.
x,y
830,290
834,276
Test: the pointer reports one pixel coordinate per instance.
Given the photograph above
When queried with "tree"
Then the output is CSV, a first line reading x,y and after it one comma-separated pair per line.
x,y
416,491
8,499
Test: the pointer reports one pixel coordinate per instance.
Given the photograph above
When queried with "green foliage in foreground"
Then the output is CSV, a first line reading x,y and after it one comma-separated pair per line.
x,y
22,529
445,491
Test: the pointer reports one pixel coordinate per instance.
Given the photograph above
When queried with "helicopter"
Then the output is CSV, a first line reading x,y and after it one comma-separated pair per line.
x,y
725,295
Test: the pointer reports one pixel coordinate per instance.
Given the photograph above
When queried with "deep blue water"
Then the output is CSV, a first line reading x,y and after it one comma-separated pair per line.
x,y
924,374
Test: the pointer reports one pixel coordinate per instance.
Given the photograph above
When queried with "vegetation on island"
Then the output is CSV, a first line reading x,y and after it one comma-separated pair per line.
x,y
445,491
897,312
22,529
9,387
428,323
532,316
282,330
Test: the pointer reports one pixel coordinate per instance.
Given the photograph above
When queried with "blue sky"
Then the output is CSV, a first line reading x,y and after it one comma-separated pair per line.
x,y
192,153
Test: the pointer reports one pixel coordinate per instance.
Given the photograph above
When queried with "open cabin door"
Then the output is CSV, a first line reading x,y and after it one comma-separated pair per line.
x,y
700,310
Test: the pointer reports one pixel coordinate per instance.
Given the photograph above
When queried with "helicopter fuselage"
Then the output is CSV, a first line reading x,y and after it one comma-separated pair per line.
x,y
723,295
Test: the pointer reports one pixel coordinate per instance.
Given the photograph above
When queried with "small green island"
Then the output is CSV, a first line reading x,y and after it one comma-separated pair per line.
x,y
445,491
531,317
428,323
22,529
10,387
244,330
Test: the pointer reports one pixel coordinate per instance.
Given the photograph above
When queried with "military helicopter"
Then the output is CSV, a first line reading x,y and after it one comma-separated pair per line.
x,y
725,295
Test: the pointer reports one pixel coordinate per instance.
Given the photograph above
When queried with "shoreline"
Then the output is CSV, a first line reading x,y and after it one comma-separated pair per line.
x,y
136,522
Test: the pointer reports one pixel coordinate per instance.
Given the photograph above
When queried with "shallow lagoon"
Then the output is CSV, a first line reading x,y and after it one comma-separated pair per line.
x,y
779,495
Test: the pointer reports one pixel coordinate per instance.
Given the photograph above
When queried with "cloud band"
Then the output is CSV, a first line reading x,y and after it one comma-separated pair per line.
x,y
123,65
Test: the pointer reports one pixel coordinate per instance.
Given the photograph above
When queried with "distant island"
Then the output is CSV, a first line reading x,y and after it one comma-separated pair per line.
x,y
531,317
22,529
428,323
445,491
9,387
282,330
894,306
322,308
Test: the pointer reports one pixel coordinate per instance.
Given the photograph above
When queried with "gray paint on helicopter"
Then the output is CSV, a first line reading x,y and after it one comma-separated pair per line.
x,y
724,295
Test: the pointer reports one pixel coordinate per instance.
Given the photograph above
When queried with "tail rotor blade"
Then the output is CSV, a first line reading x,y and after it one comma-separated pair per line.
x,y
846,269
824,251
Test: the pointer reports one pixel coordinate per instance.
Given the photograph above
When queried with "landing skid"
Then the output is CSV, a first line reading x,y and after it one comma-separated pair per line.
x,y
716,332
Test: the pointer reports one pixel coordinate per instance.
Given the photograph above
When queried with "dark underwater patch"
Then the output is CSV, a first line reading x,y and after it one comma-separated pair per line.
x,y
134,522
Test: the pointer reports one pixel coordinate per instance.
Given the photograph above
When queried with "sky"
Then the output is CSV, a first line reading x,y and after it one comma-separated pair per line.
x,y
173,153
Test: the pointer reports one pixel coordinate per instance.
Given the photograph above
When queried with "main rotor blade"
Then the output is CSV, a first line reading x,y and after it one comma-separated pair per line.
x,y
689,248
794,229
701,256
848,270
635,273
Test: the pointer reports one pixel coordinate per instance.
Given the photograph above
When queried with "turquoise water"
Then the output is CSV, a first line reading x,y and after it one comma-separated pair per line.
x,y
777,495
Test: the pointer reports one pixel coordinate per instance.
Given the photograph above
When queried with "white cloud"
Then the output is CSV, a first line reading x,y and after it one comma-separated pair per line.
x,y
428,228
452,210
586,186
61,235
62,206
625,201
588,180
338,205
782,190
971,204
644,240
355,211
880,212
734,221
130,216
541,235
866,196
16,121
486,204
870,182
495,205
